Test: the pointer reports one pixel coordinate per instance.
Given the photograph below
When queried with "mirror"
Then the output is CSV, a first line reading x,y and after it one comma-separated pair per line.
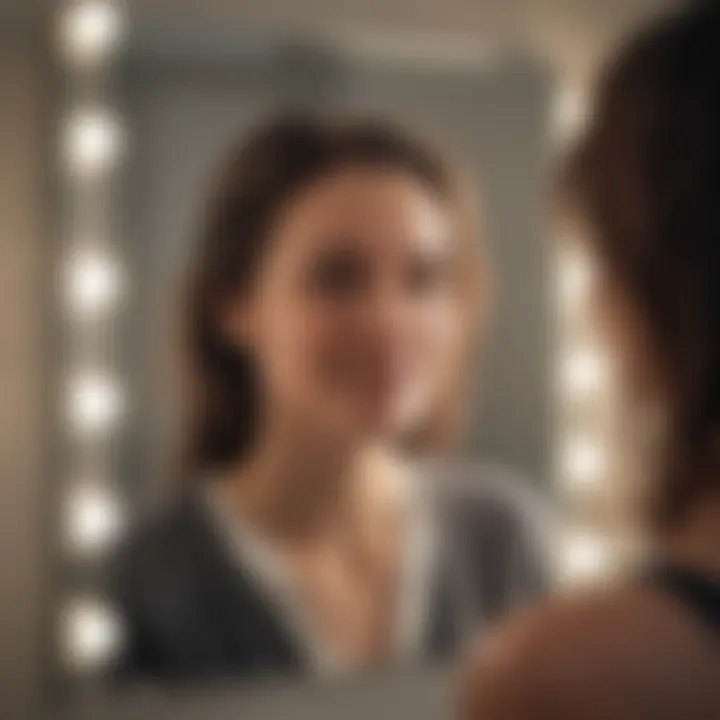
x,y
211,592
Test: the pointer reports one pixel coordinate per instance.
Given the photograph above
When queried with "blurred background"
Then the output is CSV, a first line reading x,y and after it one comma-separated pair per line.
x,y
110,127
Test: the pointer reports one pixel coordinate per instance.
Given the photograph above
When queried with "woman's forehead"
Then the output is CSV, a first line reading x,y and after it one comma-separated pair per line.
x,y
366,205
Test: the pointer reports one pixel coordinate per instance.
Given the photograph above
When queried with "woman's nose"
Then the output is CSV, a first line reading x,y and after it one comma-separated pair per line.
x,y
389,310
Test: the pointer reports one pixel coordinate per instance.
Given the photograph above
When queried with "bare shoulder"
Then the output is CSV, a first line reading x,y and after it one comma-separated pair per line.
x,y
623,653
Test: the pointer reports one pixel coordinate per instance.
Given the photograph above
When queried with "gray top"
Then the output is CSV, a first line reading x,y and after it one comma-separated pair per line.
x,y
195,609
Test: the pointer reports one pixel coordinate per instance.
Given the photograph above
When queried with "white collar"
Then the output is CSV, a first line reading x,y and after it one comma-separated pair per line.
x,y
266,566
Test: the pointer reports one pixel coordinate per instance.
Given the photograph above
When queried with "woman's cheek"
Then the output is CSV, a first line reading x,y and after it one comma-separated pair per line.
x,y
286,343
443,334
315,352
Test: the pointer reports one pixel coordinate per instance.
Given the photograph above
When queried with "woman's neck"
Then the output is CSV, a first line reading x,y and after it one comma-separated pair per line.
x,y
297,490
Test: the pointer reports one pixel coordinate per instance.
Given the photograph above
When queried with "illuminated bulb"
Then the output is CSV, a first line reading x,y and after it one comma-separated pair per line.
x,y
570,113
585,556
92,141
91,635
583,371
94,518
95,403
583,463
576,277
94,283
89,31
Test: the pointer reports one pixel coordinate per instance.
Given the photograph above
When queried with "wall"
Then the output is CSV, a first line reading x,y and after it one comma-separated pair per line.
x,y
21,251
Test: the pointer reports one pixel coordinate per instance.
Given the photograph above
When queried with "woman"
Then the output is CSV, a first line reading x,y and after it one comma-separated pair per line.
x,y
331,319
646,181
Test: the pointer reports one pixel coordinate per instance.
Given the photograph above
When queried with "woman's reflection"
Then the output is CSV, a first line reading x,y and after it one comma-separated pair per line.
x,y
334,303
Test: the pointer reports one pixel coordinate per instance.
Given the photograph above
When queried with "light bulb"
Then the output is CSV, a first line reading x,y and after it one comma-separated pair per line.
x,y
94,518
583,371
570,113
90,31
585,557
576,275
583,463
91,634
95,403
94,283
93,140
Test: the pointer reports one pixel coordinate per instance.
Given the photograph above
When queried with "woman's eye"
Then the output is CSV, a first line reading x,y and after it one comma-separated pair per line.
x,y
338,276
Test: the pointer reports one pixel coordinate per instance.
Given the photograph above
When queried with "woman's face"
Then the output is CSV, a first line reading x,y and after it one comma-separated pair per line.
x,y
355,317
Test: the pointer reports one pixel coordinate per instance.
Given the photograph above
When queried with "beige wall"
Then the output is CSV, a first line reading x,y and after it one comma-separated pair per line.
x,y
21,241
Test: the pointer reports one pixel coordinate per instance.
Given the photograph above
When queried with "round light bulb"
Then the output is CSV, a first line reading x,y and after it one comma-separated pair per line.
x,y
583,371
94,518
584,463
91,635
93,140
90,31
576,275
585,557
95,403
94,283
569,114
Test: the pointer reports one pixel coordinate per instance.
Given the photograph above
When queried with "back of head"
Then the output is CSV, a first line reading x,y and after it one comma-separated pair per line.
x,y
646,178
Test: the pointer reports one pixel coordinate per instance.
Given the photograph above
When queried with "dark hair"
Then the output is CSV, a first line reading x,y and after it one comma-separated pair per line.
x,y
647,178
271,165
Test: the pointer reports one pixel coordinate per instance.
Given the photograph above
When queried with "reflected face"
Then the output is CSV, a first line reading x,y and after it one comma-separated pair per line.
x,y
355,317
